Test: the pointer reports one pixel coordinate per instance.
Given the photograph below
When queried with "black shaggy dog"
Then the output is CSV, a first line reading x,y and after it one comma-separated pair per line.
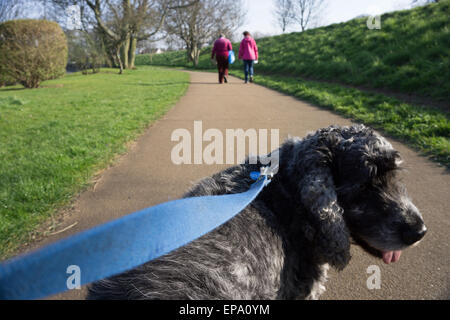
x,y
337,183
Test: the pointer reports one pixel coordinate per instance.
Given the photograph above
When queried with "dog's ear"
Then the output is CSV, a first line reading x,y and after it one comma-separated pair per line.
x,y
385,160
358,162
318,196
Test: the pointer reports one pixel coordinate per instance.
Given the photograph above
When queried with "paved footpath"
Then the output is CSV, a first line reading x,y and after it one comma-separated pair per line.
x,y
145,176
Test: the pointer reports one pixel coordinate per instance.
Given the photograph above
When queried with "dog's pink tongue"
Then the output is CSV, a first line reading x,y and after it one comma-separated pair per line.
x,y
391,256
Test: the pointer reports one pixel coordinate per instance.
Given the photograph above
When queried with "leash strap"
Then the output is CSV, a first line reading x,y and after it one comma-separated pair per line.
x,y
120,245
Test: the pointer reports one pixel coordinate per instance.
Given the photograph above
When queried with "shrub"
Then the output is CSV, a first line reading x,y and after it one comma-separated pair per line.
x,y
86,51
32,51
6,80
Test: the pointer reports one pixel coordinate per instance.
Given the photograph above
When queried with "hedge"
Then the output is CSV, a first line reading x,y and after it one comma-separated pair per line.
x,y
32,51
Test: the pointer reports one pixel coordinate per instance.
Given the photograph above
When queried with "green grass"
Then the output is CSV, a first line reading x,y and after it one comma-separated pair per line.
x,y
410,54
424,128
54,139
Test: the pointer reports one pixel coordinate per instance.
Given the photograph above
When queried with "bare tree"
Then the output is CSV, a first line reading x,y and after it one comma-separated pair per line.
x,y
425,1
259,35
10,9
86,50
23,9
123,23
307,12
174,43
200,24
6,7
284,13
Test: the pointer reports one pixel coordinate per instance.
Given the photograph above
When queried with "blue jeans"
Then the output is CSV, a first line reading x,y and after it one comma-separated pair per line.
x,y
248,68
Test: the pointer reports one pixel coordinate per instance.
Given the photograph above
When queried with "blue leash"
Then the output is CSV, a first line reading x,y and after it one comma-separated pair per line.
x,y
122,244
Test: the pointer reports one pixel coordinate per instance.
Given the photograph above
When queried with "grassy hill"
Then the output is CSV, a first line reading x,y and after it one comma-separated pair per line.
x,y
410,54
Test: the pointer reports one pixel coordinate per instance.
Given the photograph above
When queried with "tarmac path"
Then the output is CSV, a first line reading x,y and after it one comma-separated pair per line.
x,y
146,176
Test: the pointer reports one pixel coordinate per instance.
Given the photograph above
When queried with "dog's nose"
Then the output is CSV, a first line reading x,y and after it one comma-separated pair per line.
x,y
412,236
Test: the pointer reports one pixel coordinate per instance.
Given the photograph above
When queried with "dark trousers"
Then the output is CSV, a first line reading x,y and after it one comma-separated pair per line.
x,y
222,66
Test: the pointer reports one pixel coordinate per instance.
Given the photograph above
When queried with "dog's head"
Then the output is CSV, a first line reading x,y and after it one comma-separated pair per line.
x,y
350,186
377,210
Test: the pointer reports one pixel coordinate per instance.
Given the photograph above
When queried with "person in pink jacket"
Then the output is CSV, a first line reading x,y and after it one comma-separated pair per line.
x,y
220,51
248,51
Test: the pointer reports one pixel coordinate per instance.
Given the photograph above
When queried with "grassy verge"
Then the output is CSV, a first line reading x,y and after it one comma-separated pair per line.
x,y
424,128
410,54
53,139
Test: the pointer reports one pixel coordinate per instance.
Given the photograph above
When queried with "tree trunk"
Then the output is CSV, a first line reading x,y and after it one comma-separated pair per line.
x,y
196,56
124,53
126,5
188,54
197,52
110,59
132,53
193,54
119,60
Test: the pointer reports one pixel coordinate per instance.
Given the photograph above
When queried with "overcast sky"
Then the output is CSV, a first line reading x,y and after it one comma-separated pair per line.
x,y
261,19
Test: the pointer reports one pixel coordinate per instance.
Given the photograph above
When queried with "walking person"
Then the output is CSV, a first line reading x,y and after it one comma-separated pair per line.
x,y
220,51
248,51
